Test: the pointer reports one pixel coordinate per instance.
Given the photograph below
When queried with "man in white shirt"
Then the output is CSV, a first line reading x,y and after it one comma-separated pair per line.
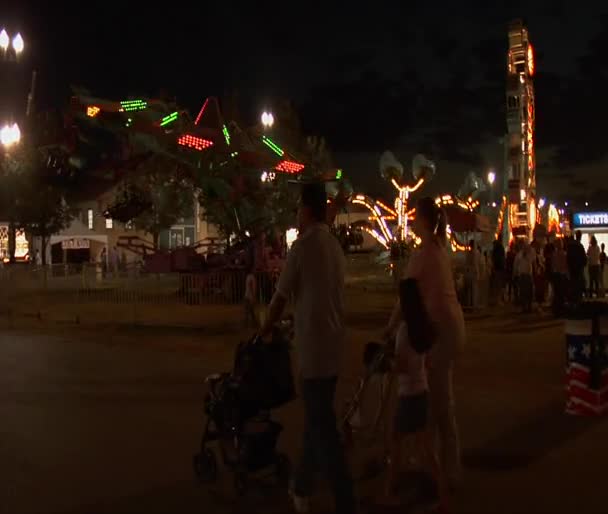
x,y
314,279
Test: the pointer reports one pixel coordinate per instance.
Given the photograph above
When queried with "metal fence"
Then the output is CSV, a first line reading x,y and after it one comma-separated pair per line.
x,y
87,293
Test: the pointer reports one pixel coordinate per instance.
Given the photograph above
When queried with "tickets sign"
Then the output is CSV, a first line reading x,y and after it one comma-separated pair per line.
x,y
590,219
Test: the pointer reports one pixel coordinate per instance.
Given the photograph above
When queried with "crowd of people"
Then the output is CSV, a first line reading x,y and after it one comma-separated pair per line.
x,y
551,271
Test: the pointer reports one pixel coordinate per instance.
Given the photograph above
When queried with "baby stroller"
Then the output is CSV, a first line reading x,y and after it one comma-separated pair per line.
x,y
377,363
237,410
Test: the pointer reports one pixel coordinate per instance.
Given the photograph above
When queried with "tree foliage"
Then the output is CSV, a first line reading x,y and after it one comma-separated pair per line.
x,y
159,194
33,192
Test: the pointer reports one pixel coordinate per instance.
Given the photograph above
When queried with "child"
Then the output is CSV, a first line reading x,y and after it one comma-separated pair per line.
x,y
411,413
249,301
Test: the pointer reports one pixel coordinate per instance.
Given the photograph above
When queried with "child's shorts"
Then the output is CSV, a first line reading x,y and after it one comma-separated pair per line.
x,y
412,413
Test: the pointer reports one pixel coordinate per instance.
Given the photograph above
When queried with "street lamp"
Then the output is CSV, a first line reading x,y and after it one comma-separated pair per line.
x,y
17,43
10,135
4,40
491,180
267,119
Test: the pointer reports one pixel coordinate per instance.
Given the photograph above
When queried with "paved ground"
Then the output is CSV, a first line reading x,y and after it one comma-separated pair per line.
x,y
106,421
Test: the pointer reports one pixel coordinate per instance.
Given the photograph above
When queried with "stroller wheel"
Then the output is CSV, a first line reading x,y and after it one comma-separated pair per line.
x,y
205,465
240,483
283,469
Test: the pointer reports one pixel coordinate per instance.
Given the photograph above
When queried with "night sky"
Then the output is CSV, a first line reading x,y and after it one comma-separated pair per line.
x,y
366,76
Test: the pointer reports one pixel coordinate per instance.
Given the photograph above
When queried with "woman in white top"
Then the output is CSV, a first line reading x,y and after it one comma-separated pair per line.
x,y
430,265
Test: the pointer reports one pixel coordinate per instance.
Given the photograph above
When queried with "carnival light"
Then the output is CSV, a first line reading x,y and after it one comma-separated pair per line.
x,y
491,178
541,203
268,176
133,105
273,146
200,113
92,111
226,134
170,118
195,142
289,167
530,59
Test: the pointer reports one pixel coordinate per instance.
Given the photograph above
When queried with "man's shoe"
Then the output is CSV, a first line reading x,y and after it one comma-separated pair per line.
x,y
301,504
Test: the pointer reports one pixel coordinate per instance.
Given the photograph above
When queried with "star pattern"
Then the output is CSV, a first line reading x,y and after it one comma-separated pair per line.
x,y
586,350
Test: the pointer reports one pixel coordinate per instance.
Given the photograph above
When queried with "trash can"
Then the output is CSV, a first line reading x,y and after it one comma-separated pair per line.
x,y
587,359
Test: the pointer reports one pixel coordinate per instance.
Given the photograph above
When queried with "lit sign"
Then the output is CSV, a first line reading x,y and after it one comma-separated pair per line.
x,y
591,219
75,244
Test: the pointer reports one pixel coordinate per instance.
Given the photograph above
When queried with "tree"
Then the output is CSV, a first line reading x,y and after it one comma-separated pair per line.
x,y
33,194
156,196
44,213
12,164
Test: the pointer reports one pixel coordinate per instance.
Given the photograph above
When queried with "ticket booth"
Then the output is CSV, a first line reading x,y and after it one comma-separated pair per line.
x,y
591,224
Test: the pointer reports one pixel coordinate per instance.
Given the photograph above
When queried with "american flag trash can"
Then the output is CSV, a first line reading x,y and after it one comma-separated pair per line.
x,y
587,359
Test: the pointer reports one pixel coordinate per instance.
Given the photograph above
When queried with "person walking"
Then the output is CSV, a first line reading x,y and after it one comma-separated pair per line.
x,y
594,258
472,276
577,262
250,300
523,269
430,265
510,276
482,282
498,271
602,266
313,278
539,276
559,277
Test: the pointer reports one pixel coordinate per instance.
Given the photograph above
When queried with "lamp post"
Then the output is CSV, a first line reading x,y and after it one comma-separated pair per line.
x,y
491,180
11,48
267,119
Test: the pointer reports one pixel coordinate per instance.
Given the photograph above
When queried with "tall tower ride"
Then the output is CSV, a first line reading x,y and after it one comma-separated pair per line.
x,y
520,163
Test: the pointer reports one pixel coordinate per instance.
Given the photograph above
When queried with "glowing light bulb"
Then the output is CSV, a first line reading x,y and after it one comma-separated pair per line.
x,y
4,40
267,119
16,133
18,43
5,135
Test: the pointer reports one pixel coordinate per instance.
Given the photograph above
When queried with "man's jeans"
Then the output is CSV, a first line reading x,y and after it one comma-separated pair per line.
x,y
321,448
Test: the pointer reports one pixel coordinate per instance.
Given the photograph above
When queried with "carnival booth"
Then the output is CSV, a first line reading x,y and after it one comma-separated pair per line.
x,y
592,224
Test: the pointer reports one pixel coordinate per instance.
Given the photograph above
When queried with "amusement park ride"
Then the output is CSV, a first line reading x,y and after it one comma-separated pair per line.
x,y
209,142
520,207
519,213
393,223
158,126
